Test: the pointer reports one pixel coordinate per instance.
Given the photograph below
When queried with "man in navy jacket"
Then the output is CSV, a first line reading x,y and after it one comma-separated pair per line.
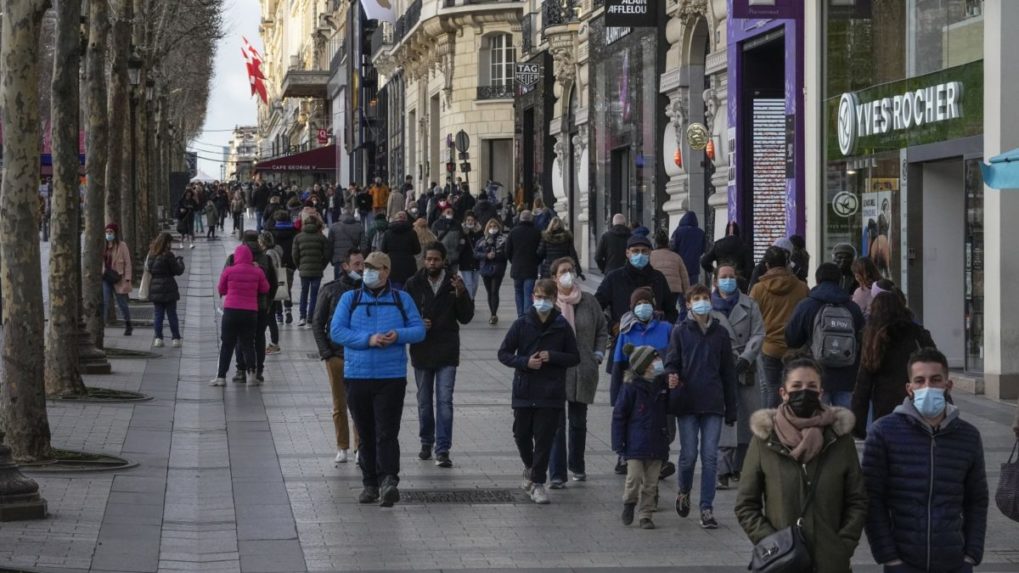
x,y
924,470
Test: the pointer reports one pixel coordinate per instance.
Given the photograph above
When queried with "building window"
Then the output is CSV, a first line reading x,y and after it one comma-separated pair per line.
x,y
497,60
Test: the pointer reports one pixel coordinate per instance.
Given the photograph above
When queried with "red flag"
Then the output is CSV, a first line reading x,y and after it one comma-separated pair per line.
x,y
253,62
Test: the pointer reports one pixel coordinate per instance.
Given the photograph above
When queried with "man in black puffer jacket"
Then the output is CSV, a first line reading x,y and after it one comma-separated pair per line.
x,y
924,469
522,252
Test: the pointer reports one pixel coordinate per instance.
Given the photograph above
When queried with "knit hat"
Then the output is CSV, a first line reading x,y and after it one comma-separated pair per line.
x,y
113,227
640,357
639,294
638,240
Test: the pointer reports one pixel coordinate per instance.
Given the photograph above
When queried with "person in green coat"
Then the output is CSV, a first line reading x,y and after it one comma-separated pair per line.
x,y
803,442
311,252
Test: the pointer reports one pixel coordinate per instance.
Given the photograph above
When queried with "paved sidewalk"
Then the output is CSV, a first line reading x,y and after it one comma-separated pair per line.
x,y
242,479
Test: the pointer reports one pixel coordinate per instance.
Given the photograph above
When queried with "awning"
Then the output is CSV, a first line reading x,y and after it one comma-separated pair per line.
x,y
319,159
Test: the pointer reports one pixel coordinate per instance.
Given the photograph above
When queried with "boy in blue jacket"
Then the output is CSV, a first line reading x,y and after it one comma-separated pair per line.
x,y
374,324
702,379
540,346
640,431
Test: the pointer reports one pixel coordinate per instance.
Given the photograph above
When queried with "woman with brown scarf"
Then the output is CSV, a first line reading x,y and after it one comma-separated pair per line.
x,y
798,446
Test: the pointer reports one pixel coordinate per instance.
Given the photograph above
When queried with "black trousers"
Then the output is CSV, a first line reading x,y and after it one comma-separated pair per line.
x,y
238,331
492,285
377,407
534,430
260,325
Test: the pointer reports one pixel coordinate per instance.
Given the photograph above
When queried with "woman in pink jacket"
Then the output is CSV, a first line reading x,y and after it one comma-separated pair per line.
x,y
117,274
240,284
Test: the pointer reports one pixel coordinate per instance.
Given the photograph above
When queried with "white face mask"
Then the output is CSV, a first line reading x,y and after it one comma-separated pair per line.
x,y
566,280
493,231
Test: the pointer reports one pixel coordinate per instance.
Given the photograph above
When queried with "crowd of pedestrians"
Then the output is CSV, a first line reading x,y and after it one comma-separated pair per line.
x,y
768,384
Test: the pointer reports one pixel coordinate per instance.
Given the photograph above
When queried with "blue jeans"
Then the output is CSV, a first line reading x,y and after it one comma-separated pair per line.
x,y
121,302
843,399
523,288
199,221
309,288
699,431
771,381
470,282
572,457
436,424
258,221
170,310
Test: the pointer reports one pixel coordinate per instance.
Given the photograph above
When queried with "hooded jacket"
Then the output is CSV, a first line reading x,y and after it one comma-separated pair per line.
x,y
163,268
345,234
353,326
885,388
447,311
555,245
312,251
800,329
777,294
640,427
262,262
325,307
401,244
546,386
522,250
773,487
730,250
611,251
927,490
494,267
615,289
242,282
688,242
283,232
703,360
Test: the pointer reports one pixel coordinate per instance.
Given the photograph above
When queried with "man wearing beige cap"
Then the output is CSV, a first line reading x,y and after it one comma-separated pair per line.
x,y
374,324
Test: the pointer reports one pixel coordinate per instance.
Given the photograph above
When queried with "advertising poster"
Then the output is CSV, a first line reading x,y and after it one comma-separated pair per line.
x,y
878,218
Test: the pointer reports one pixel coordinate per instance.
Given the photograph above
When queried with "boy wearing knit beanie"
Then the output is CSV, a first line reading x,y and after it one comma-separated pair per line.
x,y
639,430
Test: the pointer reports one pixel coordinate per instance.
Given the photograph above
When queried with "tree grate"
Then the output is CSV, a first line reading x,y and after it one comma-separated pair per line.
x,y
462,496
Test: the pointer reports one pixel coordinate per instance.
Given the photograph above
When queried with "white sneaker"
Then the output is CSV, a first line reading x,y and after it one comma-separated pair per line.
x,y
192,246
157,343
341,457
218,382
253,378
538,494
302,322
177,343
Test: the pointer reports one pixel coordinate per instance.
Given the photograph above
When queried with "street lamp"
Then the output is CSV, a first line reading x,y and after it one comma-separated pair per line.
x,y
134,68
150,88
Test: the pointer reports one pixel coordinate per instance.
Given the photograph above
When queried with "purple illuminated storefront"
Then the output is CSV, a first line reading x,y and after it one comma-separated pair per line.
x,y
766,171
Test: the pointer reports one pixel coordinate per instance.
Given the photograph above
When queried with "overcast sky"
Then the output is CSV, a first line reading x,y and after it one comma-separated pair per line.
x,y
230,102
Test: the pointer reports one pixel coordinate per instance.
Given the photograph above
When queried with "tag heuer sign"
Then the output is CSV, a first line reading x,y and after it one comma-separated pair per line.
x,y
916,108
631,13
528,75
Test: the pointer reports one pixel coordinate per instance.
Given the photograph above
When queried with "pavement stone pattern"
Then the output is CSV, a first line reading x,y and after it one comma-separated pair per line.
x,y
242,479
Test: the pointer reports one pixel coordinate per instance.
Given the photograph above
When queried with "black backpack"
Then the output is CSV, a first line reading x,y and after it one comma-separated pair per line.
x,y
397,302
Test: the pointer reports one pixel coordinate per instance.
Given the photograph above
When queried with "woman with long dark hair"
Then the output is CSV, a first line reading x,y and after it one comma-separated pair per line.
x,y
889,338
491,254
866,274
164,266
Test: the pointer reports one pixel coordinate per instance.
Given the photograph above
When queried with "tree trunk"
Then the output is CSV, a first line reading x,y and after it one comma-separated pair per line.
x,y
129,197
22,393
62,374
95,166
143,230
120,47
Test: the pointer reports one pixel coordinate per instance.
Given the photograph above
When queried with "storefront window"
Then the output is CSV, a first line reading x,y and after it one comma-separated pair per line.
x,y
974,251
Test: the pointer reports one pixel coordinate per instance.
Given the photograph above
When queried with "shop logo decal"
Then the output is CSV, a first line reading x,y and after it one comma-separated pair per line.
x,y
845,204
847,123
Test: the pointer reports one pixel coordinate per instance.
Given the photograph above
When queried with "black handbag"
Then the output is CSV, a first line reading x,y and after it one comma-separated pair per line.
x,y
786,550
1007,496
111,277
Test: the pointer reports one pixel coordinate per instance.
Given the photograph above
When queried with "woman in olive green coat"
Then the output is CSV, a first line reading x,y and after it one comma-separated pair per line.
x,y
796,444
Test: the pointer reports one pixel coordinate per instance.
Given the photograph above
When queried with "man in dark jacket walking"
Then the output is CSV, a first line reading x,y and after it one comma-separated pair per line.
x,y
688,242
801,330
731,251
540,347
444,305
332,353
283,232
260,200
522,253
345,234
611,252
400,242
926,484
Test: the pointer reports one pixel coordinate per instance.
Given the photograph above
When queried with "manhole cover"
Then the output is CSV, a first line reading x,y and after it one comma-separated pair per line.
x,y
432,496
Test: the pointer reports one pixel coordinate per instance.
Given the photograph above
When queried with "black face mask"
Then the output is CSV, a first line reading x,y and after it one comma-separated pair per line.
x,y
804,403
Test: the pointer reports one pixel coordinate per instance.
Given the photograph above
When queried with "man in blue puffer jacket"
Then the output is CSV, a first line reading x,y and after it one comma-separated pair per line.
x,y
924,469
374,324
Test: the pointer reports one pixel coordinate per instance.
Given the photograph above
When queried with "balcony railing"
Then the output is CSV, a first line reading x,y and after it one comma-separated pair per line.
x,y
505,90
559,12
382,38
406,23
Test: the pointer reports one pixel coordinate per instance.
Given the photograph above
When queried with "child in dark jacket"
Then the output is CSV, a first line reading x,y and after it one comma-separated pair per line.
x,y
640,431
540,346
702,382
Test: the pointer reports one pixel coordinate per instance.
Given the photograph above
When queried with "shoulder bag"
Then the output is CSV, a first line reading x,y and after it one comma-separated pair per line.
x,y
143,288
786,550
1007,496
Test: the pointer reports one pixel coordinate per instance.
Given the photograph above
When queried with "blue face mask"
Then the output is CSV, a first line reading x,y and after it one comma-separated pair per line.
x,y
639,260
701,307
657,368
542,305
371,278
354,275
643,311
727,286
930,402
